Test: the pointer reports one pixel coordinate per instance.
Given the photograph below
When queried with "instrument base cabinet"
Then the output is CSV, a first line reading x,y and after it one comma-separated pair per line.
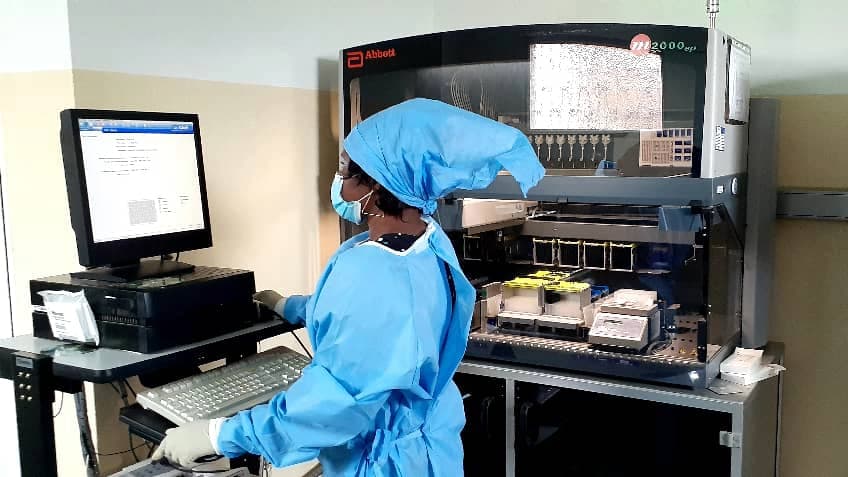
x,y
483,437
574,424
614,435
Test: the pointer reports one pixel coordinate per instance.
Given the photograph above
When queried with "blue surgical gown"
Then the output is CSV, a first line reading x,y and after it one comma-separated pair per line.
x,y
378,398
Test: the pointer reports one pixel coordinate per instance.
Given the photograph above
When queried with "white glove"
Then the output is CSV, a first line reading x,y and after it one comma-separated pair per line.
x,y
271,300
185,444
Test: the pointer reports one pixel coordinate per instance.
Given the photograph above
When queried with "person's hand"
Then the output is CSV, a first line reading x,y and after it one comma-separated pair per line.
x,y
268,298
185,444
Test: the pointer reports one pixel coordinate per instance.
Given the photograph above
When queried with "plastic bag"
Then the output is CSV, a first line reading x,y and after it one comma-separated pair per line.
x,y
70,316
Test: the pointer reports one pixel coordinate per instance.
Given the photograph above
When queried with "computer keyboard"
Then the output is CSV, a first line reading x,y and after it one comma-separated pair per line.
x,y
227,390
149,468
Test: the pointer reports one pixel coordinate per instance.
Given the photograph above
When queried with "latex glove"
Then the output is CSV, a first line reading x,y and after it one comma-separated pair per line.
x,y
185,444
271,300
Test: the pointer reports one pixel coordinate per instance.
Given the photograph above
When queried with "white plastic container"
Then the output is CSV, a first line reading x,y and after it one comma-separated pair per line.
x,y
573,297
524,295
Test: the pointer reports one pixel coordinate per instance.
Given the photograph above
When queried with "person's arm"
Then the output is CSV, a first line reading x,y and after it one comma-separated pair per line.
x,y
293,308
364,351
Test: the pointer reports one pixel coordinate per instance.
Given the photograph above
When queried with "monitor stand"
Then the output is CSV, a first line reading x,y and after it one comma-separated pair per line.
x,y
135,271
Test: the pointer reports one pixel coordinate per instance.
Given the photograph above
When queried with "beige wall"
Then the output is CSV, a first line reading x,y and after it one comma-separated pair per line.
x,y
812,141
261,149
269,153
41,241
810,308
810,316
39,235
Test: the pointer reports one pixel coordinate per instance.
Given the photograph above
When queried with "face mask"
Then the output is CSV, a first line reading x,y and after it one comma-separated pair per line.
x,y
350,211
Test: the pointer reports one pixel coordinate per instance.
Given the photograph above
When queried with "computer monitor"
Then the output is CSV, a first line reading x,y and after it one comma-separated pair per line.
x,y
136,189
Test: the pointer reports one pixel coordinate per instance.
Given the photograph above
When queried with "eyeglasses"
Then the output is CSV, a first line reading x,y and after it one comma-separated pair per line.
x,y
344,177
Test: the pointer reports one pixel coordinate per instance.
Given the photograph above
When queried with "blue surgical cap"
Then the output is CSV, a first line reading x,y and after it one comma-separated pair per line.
x,y
421,150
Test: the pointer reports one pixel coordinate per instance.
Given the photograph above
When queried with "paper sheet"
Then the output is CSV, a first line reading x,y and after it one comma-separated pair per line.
x,y
747,379
738,82
724,388
742,361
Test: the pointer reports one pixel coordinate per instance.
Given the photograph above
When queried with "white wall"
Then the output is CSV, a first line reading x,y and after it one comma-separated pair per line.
x,y
35,83
34,36
34,39
268,42
798,47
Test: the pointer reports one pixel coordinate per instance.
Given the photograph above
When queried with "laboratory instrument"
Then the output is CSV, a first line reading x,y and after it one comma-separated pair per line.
x,y
666,112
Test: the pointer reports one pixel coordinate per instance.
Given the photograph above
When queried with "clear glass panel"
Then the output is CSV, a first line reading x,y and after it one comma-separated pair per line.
x,y
595,110
725,282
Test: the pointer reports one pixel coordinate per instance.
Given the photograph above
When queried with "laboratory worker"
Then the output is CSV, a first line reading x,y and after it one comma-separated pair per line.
x,y
390,315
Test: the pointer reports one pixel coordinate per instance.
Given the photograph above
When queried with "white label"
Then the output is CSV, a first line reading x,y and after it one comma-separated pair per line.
x,y
622,326
720,138
70,316
65,322
738,82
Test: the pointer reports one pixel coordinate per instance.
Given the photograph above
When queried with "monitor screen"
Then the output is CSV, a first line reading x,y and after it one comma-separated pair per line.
x,y
141,177
136,186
